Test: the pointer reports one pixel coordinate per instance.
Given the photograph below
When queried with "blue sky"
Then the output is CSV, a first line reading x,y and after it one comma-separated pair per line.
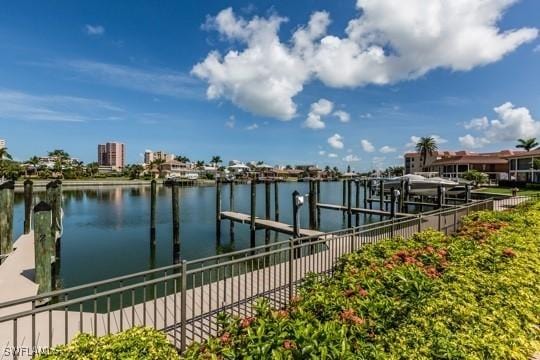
x,y
325,82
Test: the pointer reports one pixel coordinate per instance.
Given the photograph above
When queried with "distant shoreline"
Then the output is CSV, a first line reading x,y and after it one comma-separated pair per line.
x,y
40,183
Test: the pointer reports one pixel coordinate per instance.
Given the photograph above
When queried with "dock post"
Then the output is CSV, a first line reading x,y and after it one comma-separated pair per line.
x,y
6,217
392,202
312,205
349,204
176,224
231,208
357,185
317,200
218,210
267,205
370,188
253,211
467,193
28,189
153,190
344,197
401,195
43,246
54,198
276,201
381,196
296,218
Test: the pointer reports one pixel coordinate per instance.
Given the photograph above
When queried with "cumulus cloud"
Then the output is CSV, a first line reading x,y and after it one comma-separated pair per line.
x,y
351,158
318,109
332,155
343,116
387,149
336,141
389,41
470,142
95,30
367,146
512,123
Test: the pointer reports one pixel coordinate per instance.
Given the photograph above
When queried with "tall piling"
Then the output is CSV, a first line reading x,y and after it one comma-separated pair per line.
x,y
253,211
153,200
357,204
28,197
317,200
267,207
176,224
349,204
370,188
6,217
231,208
218,210
392,202
43,246
381,196
276,201
312,205
401,195
296,215
344,197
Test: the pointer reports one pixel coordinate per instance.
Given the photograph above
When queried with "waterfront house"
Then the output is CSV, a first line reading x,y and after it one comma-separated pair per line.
x,y
524,166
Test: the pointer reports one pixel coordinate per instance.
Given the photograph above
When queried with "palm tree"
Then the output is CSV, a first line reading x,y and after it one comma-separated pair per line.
x,y
199,164
92,168
527,144
426,146
4,155
34,161
59,153
216,160
181,158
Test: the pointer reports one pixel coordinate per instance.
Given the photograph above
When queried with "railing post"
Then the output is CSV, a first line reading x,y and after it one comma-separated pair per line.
x,y
420,223
27,205
183,307
439,220
455,220
392,229
291,268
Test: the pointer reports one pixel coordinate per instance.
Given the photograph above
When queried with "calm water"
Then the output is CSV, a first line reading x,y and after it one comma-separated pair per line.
x,y
106,230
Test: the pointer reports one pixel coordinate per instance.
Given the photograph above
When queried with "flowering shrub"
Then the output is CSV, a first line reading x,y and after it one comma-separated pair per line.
x,y
470,296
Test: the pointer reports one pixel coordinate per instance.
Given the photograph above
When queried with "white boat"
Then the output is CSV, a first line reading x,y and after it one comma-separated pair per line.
x,y
419,185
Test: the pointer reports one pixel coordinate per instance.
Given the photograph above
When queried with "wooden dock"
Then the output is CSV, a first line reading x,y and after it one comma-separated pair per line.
x,y
361,210
267,224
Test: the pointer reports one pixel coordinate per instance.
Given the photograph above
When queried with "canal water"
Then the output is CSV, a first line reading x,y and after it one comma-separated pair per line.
x,y
106,229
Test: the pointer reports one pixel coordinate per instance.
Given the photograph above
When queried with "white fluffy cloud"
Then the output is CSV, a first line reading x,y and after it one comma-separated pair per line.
x,y
319,109
470,142
388,42
336,141
343,116
512,123
351,158
367,146
322,152
478,123
387,149
252,126
332,155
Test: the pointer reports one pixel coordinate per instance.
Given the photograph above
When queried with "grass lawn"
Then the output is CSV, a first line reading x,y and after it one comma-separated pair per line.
x,y
508,191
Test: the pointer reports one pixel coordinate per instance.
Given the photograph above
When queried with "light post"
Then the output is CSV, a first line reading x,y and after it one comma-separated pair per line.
x,y
298,201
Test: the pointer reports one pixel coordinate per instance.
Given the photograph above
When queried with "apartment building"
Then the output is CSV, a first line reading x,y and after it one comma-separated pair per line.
x,y
111,156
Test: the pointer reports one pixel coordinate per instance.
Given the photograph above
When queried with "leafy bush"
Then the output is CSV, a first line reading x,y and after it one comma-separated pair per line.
x,y
469,296
135,343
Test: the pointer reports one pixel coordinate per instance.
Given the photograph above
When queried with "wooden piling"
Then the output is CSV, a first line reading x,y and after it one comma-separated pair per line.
x,y
312,205
218,210
296,219
381,196
401,195
43,246
349,204
467,193
54,199
153,201
392,202
370,188
231,208
344,197
439,196
357,193
176,224
267,205
253,209
28,197
276,201
6,217
365,183
318,197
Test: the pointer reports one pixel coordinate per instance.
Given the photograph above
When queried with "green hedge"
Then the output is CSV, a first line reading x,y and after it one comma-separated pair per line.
x,y
470,296
137,343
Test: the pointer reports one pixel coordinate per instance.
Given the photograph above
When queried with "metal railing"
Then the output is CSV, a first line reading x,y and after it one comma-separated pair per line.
x,y
184,299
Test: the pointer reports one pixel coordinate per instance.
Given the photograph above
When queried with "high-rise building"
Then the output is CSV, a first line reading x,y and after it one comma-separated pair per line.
x,y
150,156
2,143
112,154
